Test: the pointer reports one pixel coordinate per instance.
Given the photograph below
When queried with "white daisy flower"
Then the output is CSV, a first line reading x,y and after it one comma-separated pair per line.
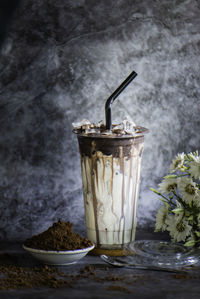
x,y
177,162
194,167
196,200
171,227
193,155
168,185
188,189
161,218
178,229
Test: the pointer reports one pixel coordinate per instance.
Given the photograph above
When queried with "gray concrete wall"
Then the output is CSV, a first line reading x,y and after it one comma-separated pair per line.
x,y
60,60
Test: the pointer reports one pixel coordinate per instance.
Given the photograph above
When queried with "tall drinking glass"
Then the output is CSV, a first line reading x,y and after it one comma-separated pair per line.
x,y
111,176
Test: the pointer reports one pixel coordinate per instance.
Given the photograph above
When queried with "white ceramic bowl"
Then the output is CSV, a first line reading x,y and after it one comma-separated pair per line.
x,y
67,257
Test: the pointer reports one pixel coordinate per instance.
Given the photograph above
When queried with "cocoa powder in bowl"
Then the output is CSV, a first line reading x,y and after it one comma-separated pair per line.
x,y
58,237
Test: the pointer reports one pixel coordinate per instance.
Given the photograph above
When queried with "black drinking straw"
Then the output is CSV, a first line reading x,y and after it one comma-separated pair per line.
x,y
113,96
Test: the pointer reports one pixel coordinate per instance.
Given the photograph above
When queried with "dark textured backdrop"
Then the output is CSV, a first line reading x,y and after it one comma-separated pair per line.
x,y
60,60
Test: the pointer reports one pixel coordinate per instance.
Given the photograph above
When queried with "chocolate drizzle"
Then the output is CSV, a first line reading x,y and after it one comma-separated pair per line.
x,y
111,171
134,196
95,203
122,219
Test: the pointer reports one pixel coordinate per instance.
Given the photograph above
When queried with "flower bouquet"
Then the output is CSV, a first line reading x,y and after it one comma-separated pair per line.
x,y
179,192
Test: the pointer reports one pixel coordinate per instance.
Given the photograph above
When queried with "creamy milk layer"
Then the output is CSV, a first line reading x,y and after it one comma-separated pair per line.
x,y
110,188
110,164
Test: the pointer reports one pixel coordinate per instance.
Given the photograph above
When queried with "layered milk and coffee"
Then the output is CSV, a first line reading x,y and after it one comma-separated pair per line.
x,y
110,163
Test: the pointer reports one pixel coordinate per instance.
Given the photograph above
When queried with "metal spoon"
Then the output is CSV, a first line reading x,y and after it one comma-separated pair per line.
x,y
116,263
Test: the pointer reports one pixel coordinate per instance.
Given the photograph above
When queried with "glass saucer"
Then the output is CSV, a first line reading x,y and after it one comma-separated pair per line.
x,y
163,253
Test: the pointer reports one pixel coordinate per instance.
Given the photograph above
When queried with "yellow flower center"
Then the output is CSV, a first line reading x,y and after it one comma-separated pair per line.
x,y
177,163
190,189
180,227
171,187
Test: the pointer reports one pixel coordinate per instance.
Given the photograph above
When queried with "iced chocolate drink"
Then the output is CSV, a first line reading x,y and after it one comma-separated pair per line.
x,y
110,163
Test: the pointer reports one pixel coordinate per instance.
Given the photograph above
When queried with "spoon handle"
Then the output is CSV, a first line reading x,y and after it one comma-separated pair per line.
x,y
153,268
116,263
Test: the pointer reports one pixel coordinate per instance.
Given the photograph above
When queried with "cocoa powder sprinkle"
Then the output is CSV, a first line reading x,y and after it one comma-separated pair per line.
x,y
17,277
58,237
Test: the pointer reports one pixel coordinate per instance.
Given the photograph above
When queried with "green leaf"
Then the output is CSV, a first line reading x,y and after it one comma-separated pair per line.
x,y
165,202
190,243
177,211
155,191
197,233
170,176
